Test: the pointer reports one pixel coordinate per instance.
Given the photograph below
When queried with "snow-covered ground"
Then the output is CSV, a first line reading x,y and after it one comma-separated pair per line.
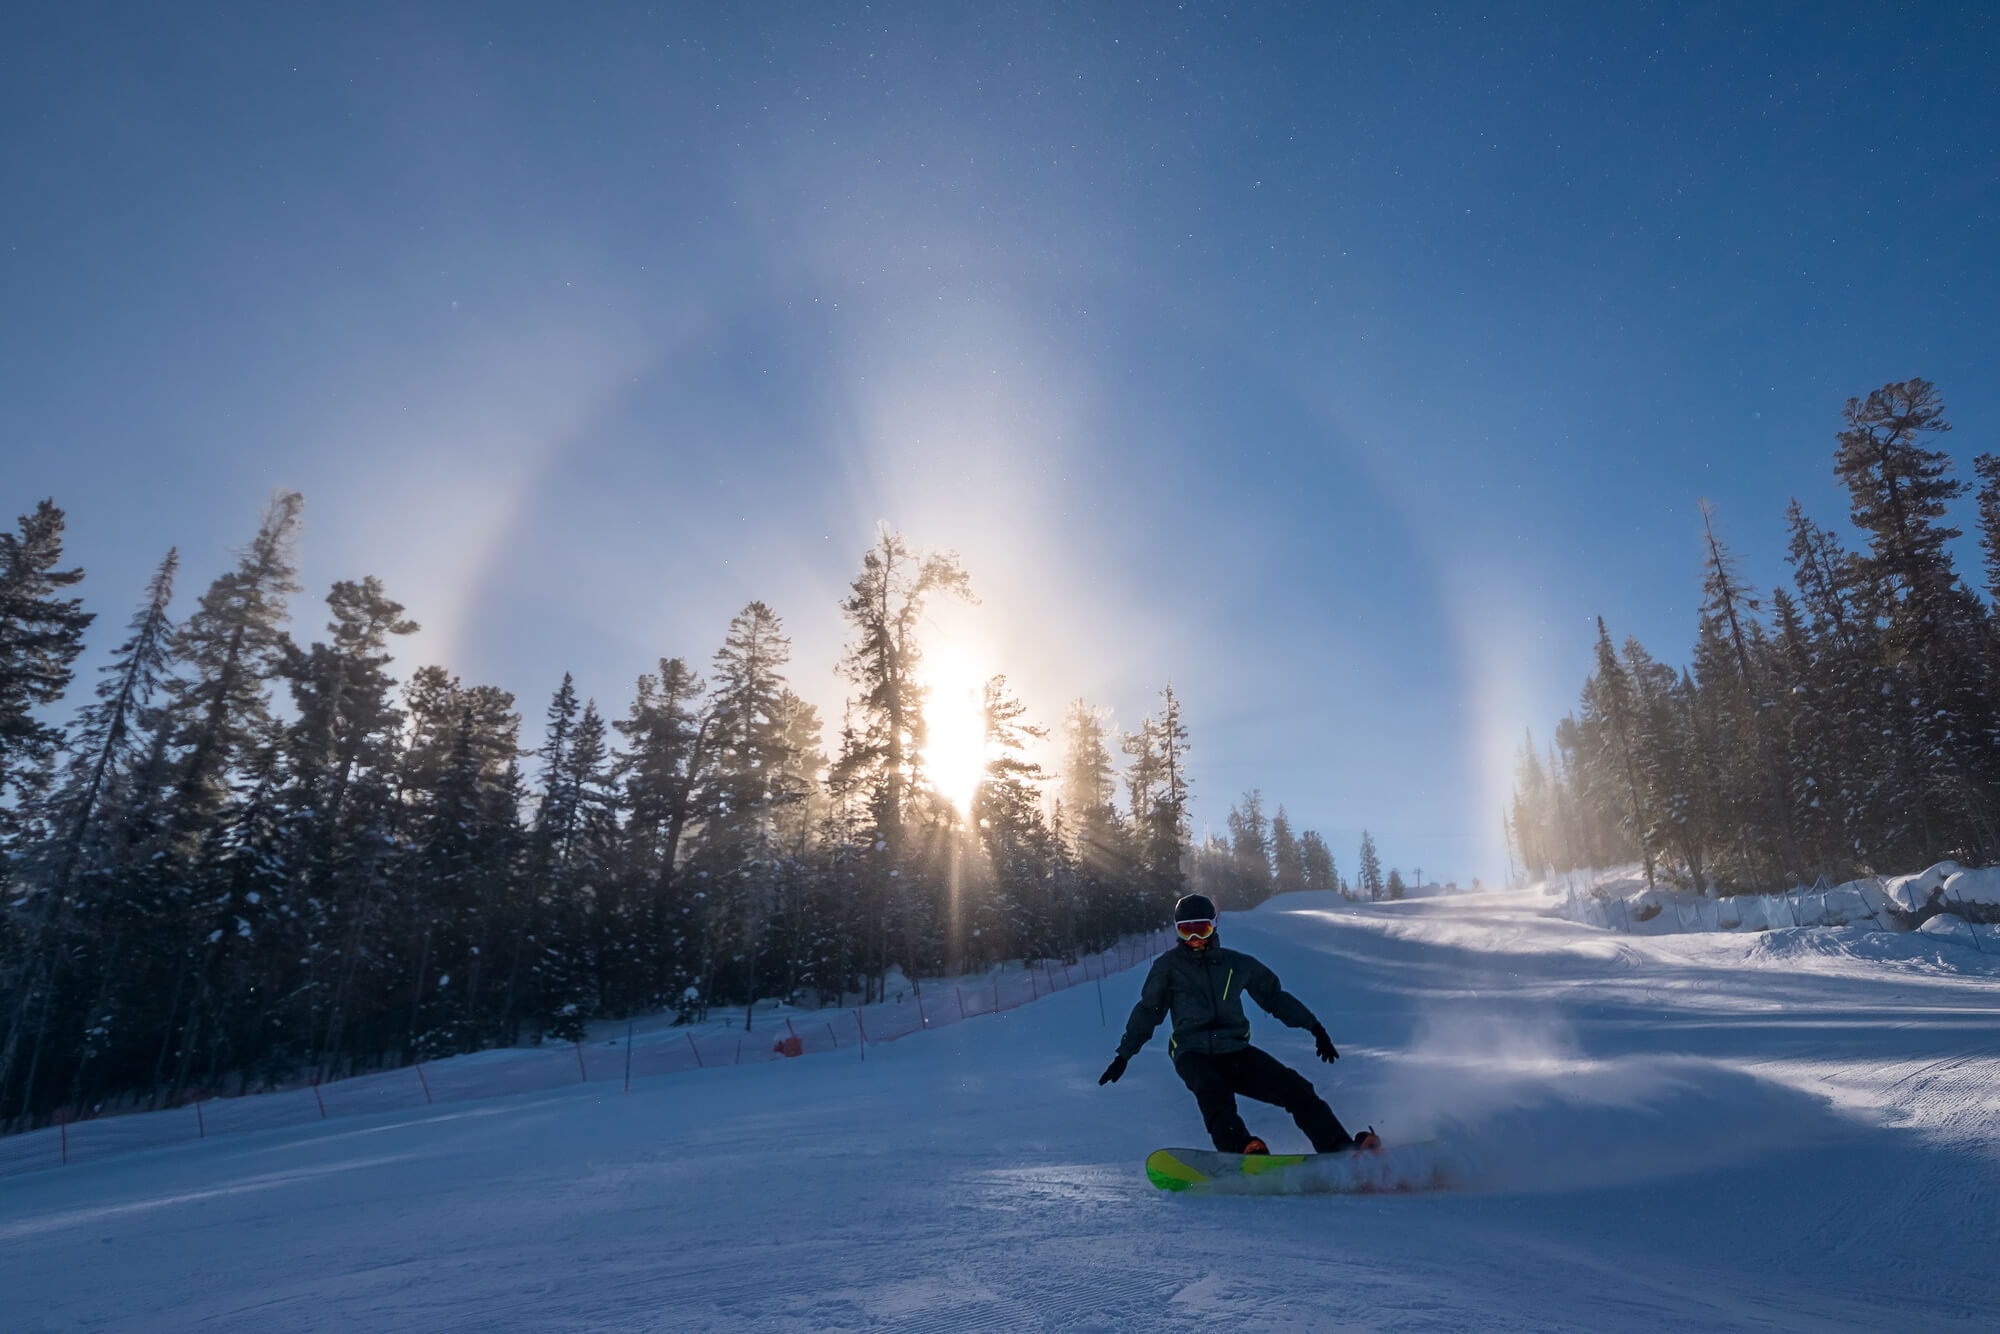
x,y
1796,1129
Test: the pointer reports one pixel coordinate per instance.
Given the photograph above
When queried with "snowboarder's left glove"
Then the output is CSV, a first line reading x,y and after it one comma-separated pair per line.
x,y
1324,1045
1112,1071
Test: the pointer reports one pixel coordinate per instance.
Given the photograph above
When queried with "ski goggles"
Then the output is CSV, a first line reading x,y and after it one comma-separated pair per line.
x,y
1201,928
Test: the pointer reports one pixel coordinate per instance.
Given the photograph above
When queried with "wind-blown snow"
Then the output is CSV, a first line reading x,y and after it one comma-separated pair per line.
x,y
1794,1129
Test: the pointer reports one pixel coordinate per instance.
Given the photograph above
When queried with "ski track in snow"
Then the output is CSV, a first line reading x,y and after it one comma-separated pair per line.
x,y
1792,1131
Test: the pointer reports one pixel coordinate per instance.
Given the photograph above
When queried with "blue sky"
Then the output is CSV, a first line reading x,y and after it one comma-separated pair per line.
x,y
1339,364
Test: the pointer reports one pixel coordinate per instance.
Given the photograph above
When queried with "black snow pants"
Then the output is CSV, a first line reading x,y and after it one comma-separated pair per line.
x,y
1215,1080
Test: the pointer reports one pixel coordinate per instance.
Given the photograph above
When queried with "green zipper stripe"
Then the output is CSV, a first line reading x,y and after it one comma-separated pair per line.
x,y
1225,983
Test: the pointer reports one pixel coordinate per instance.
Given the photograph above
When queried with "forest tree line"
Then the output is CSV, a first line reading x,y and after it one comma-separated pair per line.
x,y
247,860
1841,724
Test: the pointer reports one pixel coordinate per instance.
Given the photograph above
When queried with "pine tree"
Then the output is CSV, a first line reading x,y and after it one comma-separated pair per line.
x,y
346,729
462,862
1090,789
108,735
1288,868
95,889
882,744
1934,633
884,605
1864,755
555,817
1017,848
575,830
1316,863
1142,774
1250,836
1609,697
1168,828
740,841
668,731
1369,881
232,644
583,883
799,917
1395,888
1676,801
1987,466
41,635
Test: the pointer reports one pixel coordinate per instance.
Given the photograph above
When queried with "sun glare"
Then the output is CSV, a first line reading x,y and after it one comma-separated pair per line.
x,y
954,754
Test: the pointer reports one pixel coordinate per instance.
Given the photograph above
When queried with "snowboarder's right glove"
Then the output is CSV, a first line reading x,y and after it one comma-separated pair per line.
x,y
1112,1071
1324,1046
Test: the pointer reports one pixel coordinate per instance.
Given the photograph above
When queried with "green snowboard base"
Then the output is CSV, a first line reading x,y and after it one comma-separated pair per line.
x,y
1406,1167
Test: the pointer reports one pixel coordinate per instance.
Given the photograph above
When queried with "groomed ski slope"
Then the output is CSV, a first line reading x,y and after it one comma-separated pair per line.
x,y
1791,1130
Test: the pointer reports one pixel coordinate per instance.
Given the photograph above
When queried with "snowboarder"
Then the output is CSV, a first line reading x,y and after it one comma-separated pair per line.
x,y
1203,985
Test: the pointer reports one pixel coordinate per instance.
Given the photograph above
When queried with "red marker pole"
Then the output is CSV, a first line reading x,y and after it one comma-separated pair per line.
x,y
960,996
696,1050
64,1124
864,1034
425,1082
321,1101
582,1075
200,1129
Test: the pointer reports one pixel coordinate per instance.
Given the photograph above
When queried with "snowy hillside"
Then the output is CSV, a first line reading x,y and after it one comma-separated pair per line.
x,y
1797,1129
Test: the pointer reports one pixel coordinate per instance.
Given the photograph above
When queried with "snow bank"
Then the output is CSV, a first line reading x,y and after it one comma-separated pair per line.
x,y
1947,902
1912,894
1631,907
1972,891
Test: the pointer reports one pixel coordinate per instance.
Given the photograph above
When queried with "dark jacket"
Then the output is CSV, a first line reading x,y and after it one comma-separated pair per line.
x,y
1204,989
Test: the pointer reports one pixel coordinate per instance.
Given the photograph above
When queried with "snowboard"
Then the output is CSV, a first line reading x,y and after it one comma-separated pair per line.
x,y
1403,1167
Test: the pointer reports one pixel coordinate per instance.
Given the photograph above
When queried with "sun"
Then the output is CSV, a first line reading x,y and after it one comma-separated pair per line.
x,y
954,753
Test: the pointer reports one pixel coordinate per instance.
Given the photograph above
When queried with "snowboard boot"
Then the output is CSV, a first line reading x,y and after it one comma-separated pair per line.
x,y
1368,1139
1259,1146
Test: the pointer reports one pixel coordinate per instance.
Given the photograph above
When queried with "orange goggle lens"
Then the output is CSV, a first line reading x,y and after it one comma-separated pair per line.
x,y
1199,929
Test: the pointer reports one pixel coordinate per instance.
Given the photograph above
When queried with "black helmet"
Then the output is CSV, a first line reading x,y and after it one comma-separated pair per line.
x,y
1195,908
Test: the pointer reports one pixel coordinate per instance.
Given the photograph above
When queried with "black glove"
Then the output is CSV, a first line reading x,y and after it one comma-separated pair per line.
x,y
1112,1071
1324,1046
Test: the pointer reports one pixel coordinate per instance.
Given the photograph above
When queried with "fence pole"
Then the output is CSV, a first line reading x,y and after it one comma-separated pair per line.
x,y
1034,992
959,996
583,1076
1970,925
696,1050
200,1127
922,1022
321,1101
830,1037
628,1054
64,1124
1102,1022
739,1051
996,993
425,1082
863,1031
